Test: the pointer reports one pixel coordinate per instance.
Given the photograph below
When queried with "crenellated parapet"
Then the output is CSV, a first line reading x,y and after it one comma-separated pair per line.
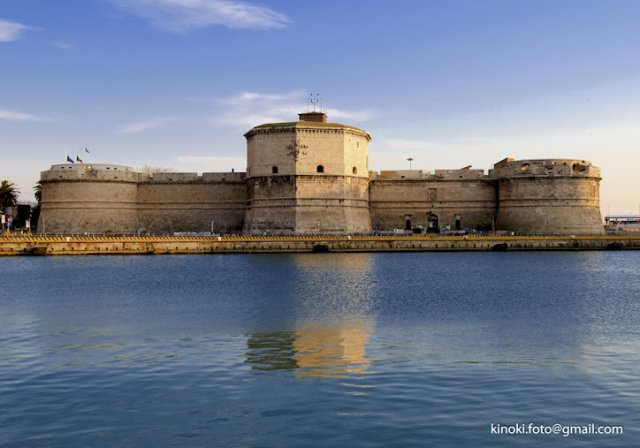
x,y
90,172
514,169
122,173
180,178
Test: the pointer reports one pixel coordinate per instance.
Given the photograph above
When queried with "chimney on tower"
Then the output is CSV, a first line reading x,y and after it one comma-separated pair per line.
x,y
318,117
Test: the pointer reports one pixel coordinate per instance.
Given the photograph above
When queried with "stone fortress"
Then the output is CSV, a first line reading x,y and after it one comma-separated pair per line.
x,y
312,177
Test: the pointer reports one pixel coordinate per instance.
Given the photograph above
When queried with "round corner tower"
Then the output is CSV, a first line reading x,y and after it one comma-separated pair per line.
x,y
307,176
93,198
549,196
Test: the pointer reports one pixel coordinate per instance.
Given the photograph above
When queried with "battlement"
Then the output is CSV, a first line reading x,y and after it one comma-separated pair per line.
x,y
399,174
195,178
451,174
89,172
462,173
509,168
123,173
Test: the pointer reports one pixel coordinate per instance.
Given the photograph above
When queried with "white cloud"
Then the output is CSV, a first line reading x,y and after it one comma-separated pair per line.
x,y
253,97
12,115
179,16
146,125
362,115
10,31
248,109
205,164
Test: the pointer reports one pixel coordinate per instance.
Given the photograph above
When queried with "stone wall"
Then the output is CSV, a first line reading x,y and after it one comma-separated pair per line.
x,y
332,204
88,206
271,204
196,206
548,196
461,203
307,204
116,199
30,245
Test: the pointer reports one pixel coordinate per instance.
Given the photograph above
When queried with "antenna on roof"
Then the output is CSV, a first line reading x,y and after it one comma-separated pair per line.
x,y
314,104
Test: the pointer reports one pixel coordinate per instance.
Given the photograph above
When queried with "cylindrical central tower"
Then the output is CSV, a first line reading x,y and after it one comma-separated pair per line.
x,y
307,177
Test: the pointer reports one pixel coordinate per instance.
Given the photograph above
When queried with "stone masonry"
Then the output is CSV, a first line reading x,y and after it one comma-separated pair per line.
x,y
311,177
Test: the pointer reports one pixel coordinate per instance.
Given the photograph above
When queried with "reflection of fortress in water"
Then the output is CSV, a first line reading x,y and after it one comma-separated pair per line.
x,y
312,351
331,322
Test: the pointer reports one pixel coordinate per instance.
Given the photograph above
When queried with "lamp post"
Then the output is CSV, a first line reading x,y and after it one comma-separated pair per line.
x,y
410,159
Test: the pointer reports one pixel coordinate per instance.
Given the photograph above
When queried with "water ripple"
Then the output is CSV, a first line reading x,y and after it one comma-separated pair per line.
x,y
367,350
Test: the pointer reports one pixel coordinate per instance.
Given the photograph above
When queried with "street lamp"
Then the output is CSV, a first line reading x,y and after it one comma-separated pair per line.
x,y
410,159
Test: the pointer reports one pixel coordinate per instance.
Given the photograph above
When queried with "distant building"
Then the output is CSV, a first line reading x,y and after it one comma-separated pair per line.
x,y
311,176
622,223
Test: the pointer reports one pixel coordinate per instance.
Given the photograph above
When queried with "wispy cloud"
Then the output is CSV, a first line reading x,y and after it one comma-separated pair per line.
x,y
179,16
140,126
253,97
12,115
240,112
10,31
361,115
254,108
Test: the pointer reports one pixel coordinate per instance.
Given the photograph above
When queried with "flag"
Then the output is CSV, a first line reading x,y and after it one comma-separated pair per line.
x,y
86,150
70,160
79,159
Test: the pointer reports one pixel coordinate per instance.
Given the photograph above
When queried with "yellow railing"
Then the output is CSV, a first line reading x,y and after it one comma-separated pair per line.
x,y
301,238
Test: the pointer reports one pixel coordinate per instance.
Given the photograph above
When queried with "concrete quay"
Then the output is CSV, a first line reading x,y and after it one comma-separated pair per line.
x,y
85,245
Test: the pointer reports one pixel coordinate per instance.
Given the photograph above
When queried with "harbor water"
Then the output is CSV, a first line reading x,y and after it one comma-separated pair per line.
x,y
320,350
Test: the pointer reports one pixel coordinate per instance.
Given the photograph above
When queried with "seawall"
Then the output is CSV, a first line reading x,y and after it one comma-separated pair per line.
x,y
83,245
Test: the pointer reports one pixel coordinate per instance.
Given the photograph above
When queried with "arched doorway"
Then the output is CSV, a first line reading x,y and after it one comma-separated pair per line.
x,y
432,223
407,223
457,224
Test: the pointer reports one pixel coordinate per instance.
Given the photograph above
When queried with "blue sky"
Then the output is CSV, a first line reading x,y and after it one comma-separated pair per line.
x,y
176,83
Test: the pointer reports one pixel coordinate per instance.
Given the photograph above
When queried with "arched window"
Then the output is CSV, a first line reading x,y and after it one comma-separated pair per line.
x,y
354,170
274,170
320,169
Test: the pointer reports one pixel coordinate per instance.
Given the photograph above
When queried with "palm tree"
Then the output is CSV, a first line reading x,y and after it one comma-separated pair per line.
x,y
37,192
8,194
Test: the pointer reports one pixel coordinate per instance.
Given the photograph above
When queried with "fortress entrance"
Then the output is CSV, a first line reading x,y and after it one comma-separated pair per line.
x,y
432,223
458,224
